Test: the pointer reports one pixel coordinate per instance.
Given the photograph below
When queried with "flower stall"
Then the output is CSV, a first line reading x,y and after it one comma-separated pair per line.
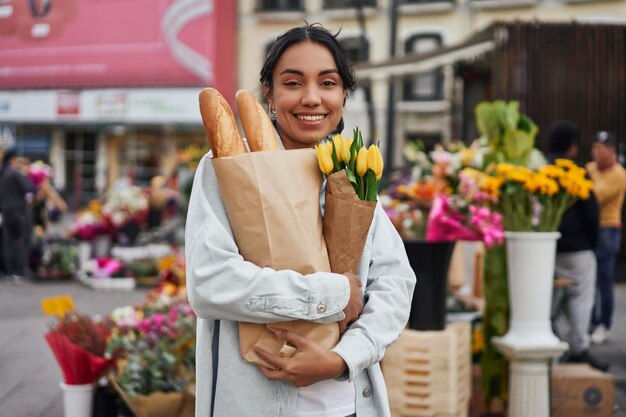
x,y
435,204
145,353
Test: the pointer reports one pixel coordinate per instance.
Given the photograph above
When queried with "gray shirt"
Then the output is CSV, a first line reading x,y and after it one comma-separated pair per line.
x,y
224,289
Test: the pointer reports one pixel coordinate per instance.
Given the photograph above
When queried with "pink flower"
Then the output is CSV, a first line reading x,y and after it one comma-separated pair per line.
x,y
450,220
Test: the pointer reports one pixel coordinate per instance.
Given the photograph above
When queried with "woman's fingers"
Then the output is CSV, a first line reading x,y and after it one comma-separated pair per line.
x,y
293,338
276,361
271,374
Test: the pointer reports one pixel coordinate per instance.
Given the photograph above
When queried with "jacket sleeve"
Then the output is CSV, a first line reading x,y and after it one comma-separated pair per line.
x,y
388,295
222,285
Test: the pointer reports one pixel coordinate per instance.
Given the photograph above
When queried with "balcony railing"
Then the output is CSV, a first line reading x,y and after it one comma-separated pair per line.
x,y
348,4
501,4
280,5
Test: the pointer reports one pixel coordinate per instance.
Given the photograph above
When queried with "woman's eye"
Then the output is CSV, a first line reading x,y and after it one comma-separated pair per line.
x,y
290,83
329,83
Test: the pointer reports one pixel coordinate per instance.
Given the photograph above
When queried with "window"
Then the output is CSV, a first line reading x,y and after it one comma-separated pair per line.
x,y
80,168
33,145
425,1
357,48
280,5
428,85
348,4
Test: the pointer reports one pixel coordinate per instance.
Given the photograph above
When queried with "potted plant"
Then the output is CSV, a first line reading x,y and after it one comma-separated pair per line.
x,y
154,346
532,203
435,205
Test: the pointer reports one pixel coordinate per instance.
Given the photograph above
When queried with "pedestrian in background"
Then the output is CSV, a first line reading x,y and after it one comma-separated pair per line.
x,y
575,258
15,192
609,185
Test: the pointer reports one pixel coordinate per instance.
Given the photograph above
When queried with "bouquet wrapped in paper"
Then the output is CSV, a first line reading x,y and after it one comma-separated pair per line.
x,y
353,175
78,345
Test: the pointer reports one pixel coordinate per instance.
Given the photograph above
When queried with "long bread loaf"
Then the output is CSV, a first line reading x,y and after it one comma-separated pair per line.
x,y
220,125
257,125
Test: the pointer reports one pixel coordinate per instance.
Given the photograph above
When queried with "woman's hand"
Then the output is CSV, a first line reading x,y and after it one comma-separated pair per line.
x,y
310,364
354,307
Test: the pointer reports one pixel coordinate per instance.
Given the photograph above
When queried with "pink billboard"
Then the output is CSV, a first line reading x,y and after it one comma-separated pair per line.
x,y
117,43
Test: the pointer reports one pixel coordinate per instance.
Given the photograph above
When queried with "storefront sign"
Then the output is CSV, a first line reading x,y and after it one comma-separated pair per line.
x,y
109,43
111,104
132,106
68,103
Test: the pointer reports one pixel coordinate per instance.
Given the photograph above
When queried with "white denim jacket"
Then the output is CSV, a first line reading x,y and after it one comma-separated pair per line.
x,y
224,289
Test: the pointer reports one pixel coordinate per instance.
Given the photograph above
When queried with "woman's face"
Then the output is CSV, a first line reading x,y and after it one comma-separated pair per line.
x,y
307,94
603,155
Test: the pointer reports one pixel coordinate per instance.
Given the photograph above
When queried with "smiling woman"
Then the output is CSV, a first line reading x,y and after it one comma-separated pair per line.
x,y
306,80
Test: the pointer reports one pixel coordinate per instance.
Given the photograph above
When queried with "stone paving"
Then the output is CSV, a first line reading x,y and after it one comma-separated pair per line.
x,y
29,375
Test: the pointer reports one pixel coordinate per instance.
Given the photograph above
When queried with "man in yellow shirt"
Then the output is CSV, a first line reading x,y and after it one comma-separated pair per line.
x,y
609,185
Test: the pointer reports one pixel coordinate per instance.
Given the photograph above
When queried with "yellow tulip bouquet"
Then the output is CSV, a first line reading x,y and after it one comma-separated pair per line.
x,y
536,200
363,166
353,174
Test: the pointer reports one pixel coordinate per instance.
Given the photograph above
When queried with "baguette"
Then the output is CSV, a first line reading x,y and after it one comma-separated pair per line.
x,y
220,125
256,123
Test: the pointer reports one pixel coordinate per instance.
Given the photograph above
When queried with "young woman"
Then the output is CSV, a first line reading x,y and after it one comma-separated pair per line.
x,y
306,79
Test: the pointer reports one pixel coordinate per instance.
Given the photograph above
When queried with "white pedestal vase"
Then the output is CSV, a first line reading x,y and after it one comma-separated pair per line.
x,y
529,382
84,254
530,344
101,246
77,399
530,262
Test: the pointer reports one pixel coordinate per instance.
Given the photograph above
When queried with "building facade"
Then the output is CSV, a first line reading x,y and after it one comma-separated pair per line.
x,y
376,30
109,89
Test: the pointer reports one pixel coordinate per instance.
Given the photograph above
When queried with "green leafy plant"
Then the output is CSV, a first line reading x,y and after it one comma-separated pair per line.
x,y
511,134
155,345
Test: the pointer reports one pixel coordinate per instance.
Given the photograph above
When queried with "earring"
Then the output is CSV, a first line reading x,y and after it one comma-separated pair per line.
x,y
272,111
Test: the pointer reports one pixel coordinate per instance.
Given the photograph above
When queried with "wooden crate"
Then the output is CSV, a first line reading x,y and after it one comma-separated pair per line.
x,y
428,373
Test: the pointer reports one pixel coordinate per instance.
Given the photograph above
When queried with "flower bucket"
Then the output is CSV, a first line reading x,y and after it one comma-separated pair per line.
x,y
84,254
430,262
530,263
77,399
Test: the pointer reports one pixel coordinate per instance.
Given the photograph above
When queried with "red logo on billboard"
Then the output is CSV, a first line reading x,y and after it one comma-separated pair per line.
x,y
68,103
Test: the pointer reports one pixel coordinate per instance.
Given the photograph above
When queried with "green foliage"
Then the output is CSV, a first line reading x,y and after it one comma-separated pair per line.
x,y
511,135
61,257
495,323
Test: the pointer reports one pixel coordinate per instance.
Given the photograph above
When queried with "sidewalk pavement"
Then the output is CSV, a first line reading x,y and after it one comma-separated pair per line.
x,y
30,376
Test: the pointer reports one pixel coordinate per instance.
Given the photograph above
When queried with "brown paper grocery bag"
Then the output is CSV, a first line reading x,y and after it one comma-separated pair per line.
x,y
273,204
347,221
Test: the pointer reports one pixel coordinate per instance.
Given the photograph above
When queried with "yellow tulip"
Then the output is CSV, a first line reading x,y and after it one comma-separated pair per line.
x,y
345,150
329,146
380,163
338,145
361,162
324,159
374,161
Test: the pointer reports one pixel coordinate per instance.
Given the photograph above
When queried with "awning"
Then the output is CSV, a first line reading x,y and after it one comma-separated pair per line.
x,y
474,47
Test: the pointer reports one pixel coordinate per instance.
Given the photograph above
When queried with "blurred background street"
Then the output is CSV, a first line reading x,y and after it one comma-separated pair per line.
x,y
100,127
